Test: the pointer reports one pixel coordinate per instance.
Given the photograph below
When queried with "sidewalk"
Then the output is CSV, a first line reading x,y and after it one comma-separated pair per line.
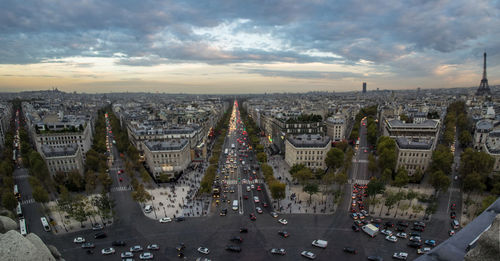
x,y
402,209
177,199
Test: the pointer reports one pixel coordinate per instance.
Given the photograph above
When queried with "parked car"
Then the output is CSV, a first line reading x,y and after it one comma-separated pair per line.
x,y
415,234
423,250
402,235
418,228
400,255
283,233
391,238
403,224
375,258
79,240
419,223
414,244
203,250
451,232
308,254
146,256
233,248
118,243
136,248
453,215
153,247
415,239
400,229
386,232
88,245
430,242
165,220
100,235
236,239
97,226
259,210
274,214
126,254
283,221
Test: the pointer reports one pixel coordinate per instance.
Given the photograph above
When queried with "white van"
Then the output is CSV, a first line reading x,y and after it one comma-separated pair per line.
x,y
320,243
235,205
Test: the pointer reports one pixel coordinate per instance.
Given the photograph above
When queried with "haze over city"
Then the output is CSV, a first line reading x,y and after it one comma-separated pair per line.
x,y
246,46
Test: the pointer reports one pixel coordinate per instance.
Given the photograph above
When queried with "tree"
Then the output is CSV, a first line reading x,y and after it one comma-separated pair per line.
x,y
65,199
79,209
487,201
404,117
311,188
417,176
262,157
278,191
442,159
372,164
105,180
146,178
104,205
465,138
386,177
387,156
440,181
327,180
40,195
473,182
9,201
303,175
259,148
411,195
341,178
334,158
141,195
401,178
375,187
295,168
390,201
342,145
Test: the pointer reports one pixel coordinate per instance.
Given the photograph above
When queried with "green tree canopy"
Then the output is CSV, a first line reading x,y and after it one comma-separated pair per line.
x,y
334,158
311,188
401,179
440,181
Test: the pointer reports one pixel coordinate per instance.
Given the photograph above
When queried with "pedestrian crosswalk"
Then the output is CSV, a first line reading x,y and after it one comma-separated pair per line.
x,y
234,182
359,181
27,201
122,188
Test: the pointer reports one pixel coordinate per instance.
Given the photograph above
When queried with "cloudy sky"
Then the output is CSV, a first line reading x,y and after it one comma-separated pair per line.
x,y
239,46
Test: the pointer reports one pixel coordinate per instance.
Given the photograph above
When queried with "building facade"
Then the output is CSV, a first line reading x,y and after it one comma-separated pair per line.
x,y
309,150
414,154
64,159
335,128
167,157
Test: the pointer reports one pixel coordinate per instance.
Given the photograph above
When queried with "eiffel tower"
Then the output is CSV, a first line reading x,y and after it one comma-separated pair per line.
x,y
484,88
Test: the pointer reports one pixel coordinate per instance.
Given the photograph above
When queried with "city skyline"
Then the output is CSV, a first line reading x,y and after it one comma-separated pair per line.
x,y
220,47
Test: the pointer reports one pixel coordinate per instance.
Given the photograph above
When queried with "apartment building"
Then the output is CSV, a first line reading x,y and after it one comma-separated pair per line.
x,y
65,158
336,128
307,149
396,128
414,153
167,157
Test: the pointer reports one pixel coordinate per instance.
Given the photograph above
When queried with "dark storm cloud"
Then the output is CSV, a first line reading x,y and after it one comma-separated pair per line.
x,y
153,32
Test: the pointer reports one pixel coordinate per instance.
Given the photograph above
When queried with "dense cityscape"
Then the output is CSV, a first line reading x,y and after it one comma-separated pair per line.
x,y
249,130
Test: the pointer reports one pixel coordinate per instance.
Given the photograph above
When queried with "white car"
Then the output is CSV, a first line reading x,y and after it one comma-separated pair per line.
x,y
153,247
391,238
386,232
127,254
282,221
256,199
248,188
108,251
423,250
146,255
308,254
402,235
252,186
148,209
203,250
165,220
400,255
79,240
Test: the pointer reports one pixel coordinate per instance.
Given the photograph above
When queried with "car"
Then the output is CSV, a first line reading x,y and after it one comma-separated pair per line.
x,y
365,213
400,229
414,234
451,232
179,219
430,242
243,230
414,244
233,248
423,250
308,254
355,228
180,247
248,188
236,239
153,247
386,232
252,186
416,239
108,251
118,243
264,204
136,248
388,224
282,221
252,216
88,245
148,209
146,256
375,258
453,215
349,250
402,235
455,224
79,240
165,220
400,255
126,254
419,223
259,210
223,212
453,206
245,197
418,228
278,251
283,233
97,227
274,214
100,235
258,188
353,196
203,250
256,199
391,239
320,243
354,216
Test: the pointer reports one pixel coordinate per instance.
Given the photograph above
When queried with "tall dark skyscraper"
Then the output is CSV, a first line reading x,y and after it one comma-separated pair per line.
x,y
364,87
484,88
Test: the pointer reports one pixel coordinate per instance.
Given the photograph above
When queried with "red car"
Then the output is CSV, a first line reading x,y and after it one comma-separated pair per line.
x,y
258,188
453,206
265,205
245,197
252,216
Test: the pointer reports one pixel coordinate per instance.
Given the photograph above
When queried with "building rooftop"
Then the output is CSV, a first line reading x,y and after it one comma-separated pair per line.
x,y
335,120
417,144
484,125
309,140
427,124
166,145
52,151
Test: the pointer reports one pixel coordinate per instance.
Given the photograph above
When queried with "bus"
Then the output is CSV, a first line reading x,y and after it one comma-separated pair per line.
x,y
235,205
22,227
16,192
45,224
19,210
